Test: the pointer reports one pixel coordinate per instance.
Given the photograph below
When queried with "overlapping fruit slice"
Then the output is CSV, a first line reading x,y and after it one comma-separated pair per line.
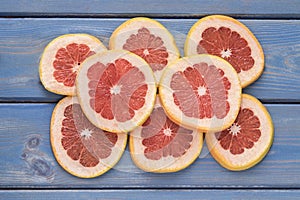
x,y
61,59
148,39
230,39
247,140
116,90
79,147
202,92
160,145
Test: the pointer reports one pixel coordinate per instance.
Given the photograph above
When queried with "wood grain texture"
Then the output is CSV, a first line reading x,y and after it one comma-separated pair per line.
x,y
27,160
22,42
187,8
28,168
152,194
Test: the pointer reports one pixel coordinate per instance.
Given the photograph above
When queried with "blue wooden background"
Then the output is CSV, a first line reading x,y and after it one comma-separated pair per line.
x,y
28,169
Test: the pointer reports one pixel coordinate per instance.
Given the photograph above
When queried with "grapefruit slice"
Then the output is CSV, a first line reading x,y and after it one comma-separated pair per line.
x,y
61,59
160,145
148,39
79,147
230,39
201,92
246,142
116,90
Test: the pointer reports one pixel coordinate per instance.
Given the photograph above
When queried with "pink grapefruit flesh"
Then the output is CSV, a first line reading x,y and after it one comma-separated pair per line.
x,y
62,58
148,39
201,92
116,90
230,39
81,148
160,145
247,140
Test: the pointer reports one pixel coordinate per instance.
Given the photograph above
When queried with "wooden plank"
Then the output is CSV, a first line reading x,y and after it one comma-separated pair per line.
x,y
190,8
152,194
27,160
22,42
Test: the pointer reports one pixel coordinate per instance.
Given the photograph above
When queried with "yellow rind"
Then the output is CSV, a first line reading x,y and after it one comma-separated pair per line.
x,y
46,48
122,148
168,170
175,51
219,158
188,126
81,101
123,26
227,18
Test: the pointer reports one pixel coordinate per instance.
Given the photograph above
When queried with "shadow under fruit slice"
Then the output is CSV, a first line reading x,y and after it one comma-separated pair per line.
x,y
79,147
230,39
62,58
116,90
201,92
148,39
247,140
160,145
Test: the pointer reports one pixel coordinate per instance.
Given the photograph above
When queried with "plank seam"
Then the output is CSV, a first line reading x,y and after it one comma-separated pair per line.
x,y
295,16
151,188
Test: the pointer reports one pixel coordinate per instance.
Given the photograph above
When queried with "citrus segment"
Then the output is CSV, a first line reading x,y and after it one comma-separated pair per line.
x,y
151,49
230,39
116,90
201,91
160,145
62,58
121,90
247,140
208,86
148,39
79,147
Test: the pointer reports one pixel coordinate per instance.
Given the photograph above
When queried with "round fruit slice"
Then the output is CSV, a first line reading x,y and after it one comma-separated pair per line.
x,y
148,39
79,147
201,92
160,145
230,39
116,90
247,141
61,59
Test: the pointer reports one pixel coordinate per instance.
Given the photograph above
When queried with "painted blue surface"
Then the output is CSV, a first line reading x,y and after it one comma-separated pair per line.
x,y
153,194
22,42
28,162
171,8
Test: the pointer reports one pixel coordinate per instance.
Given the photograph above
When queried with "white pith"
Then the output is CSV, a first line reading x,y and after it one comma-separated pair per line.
x,y
116,89
167,132
225,53
234,129
146,52
86,133
201,90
